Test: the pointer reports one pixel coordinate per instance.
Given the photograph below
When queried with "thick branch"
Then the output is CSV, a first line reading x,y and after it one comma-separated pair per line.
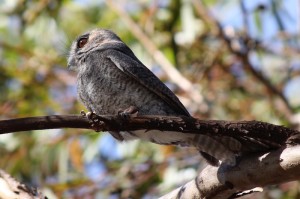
x,y
253,171
213,182
267,134
12,189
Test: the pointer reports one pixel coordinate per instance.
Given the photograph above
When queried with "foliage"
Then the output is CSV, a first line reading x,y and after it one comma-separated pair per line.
x,y
234,73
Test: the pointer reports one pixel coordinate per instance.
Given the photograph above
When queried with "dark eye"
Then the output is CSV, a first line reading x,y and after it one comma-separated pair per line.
x,y
81,42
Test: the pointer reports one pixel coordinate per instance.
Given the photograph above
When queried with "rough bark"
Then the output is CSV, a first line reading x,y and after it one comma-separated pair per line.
x,y
279,164
12,189
253,171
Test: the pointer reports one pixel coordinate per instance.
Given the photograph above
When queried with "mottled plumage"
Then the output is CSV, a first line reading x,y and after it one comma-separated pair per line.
x,y
111,78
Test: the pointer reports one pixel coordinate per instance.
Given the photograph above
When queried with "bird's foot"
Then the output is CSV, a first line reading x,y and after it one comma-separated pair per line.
x,y
132,111
93,118
89,115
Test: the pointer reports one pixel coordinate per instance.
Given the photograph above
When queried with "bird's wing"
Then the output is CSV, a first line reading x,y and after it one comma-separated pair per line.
x,y
132,67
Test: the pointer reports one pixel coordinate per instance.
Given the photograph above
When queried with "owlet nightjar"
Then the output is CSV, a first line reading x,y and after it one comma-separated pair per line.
x,y
111,78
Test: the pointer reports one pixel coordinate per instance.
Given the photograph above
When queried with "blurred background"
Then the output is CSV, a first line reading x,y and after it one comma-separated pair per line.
x,y
237,60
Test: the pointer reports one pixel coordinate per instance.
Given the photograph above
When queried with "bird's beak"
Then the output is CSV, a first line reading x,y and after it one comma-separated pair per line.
x,y
71,64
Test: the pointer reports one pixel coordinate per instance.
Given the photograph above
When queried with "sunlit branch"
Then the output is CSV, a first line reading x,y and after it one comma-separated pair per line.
x,y
253,171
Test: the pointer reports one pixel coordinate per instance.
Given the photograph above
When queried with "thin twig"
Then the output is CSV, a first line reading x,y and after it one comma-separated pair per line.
x,y
243,54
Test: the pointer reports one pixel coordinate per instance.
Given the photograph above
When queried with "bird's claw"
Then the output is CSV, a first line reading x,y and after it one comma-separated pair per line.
x,y
93,119
132,111
90,115
83,113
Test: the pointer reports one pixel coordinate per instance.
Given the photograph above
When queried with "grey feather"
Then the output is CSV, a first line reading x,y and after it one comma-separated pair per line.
x,y
110,77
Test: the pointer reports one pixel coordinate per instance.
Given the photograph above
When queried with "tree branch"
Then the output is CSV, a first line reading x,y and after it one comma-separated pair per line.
x,y
275,167
212,182
44,122
242,52
278,135
12,189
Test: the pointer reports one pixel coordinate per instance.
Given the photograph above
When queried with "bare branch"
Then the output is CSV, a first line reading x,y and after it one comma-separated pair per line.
x,y
253,136
213,181
268,134
44,122
275,167
12,189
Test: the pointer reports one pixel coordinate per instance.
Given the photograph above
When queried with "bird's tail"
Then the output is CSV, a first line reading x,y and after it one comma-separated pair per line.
x,y
217,148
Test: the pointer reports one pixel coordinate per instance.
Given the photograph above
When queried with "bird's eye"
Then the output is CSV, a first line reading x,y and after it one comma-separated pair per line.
x,y
81,42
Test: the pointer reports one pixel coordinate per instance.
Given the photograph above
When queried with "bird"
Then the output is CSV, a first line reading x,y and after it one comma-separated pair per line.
x,y
111,78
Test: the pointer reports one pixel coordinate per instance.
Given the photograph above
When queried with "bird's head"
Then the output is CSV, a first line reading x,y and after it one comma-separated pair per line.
x,y
87,43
